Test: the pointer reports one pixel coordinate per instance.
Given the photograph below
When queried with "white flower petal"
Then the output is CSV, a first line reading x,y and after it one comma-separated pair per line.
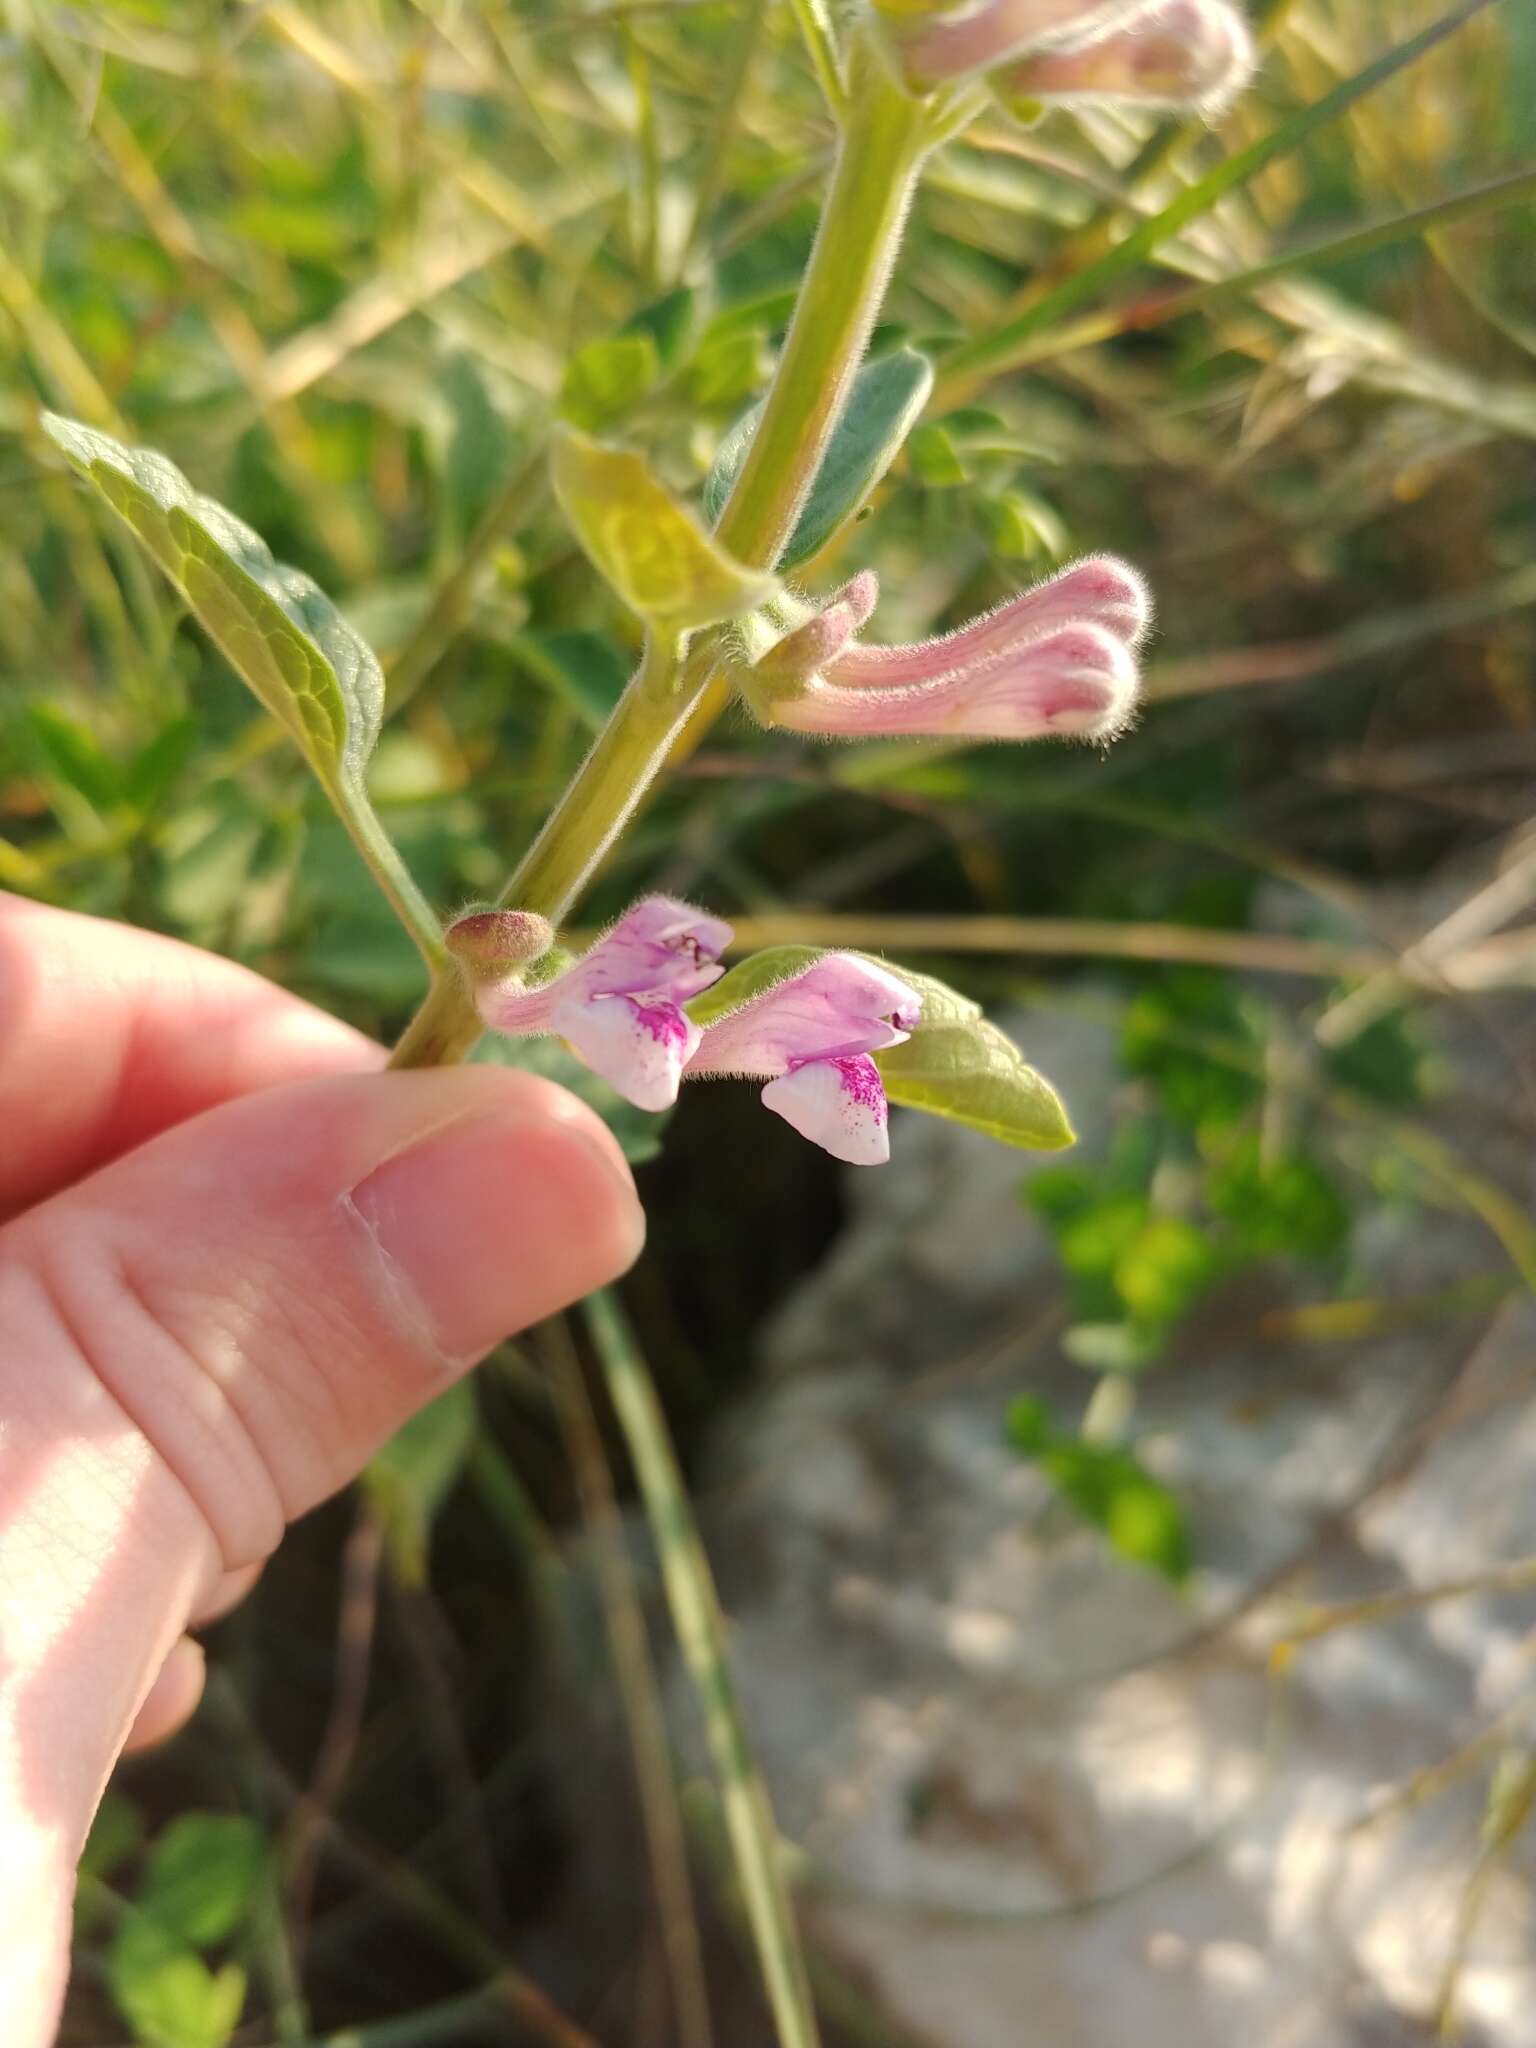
x,y
638,1047
838,1104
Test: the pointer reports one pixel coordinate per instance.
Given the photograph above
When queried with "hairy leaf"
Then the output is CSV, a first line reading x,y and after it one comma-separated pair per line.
x,y
958,1065
651,549
274,625
887,396
276,628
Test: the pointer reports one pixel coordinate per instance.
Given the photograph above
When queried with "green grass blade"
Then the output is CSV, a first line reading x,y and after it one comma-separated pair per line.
x,y
997,351
701,1635
1155,310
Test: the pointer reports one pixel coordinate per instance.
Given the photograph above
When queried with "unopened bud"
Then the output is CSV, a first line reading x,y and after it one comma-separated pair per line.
x,y
823,636
490,945
1176,54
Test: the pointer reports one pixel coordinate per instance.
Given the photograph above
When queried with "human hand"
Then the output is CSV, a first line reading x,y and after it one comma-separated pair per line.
x,y
234,1257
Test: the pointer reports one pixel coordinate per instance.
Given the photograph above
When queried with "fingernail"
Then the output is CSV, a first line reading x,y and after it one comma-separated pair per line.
x,y
500,1220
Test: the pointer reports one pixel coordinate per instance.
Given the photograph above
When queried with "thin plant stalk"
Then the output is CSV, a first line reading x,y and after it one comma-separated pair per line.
x,y
636,1677
700,1626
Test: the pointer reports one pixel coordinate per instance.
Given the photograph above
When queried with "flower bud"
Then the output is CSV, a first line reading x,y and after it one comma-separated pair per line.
x,y
1176,54
1056,660
489,945
822,637
935,48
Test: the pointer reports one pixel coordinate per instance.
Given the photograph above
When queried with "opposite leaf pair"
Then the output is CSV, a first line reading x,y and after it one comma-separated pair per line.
x,y
621,1006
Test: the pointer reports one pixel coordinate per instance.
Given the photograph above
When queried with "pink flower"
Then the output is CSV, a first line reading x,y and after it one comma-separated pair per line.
x,y
621,1004
1059,659
1174,54
810,1037
963,39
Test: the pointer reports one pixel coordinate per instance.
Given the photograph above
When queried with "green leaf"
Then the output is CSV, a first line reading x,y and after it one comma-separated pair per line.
x,y
668,321
158,764
935,459
201,1875
1165,1269
1023,527
655,554
417,1469
958,1065
276,628
727,368
1108,1486
584,668
75,756
605,378
1286,1204
887,396
167,1993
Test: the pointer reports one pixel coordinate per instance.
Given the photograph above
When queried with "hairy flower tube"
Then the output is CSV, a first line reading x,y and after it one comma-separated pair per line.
x,y
810,1037
935,46
1174,54
1059,659
621,1004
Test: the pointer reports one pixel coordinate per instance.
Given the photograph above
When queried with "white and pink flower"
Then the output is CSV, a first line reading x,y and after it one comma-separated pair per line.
x,y
621,1007
810,1037
621,1004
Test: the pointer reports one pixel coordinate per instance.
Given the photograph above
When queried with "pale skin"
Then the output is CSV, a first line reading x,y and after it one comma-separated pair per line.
x,y
234,1257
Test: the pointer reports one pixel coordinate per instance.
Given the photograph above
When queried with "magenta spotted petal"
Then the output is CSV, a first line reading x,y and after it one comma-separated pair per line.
x,y
810,1037
639,1045
838,1104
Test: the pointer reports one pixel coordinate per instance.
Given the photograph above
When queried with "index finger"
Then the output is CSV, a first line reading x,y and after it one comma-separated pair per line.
x,y
109,1035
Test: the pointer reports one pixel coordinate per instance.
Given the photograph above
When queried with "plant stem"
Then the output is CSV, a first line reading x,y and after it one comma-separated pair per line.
x,y
886,136
700,1626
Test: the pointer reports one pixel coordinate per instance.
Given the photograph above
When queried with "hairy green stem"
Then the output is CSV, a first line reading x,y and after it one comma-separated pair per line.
x,y
886,136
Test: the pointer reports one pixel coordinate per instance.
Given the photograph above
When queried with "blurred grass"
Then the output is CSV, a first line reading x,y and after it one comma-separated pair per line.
x,y
345,261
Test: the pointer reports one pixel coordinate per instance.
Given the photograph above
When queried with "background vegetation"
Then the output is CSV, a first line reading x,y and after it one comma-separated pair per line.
x,y
345,260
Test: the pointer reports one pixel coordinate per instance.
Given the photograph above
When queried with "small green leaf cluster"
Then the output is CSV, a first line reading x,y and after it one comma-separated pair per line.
x,y
1108,1486
1193,1193
194,1892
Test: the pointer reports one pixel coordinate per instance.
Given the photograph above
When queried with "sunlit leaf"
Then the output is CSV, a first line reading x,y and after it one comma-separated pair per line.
x,y
201,1874
958,1065
887,396
274,625
168,1994
652,550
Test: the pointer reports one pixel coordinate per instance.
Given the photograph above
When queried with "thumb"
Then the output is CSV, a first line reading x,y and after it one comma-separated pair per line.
x,y
210,1335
